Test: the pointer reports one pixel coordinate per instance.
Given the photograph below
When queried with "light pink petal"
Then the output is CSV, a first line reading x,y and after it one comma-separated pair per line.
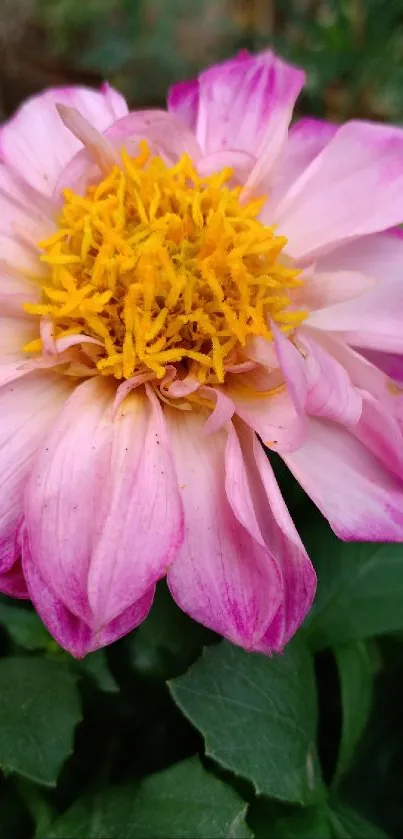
x,y
273,416
316,381
380,432
379,256
27,410
22,211
362,373
143,529
277,527
224,575
70,631
223,410
183,101
331,393
306,138
37,146
240,162
103,513
353,490
372,321
292,365
322,289
333,200
246,104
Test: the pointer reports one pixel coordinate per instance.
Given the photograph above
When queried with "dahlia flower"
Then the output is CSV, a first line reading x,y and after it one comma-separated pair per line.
x,y
179,289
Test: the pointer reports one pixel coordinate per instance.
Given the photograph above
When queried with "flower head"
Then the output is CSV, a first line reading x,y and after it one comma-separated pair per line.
x,y
176,288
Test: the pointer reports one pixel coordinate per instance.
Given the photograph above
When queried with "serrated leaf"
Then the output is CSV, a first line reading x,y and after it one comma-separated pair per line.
x,y
183,802
257,716
356,667
39,709
360,587
25,628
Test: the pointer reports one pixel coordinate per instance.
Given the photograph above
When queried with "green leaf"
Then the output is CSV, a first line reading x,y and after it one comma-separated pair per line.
x,y
360,587
327,821
348,824
25,628
257,716
183,802
269,820
356,668
96,665
39,708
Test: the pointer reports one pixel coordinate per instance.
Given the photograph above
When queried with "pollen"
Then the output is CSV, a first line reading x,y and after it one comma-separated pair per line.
x,y
165,267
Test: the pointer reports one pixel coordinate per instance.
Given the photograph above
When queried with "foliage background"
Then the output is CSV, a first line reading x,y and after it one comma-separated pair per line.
x,y
172,732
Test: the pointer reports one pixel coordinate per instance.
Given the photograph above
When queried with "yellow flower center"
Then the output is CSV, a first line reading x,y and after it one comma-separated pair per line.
x,y
163,266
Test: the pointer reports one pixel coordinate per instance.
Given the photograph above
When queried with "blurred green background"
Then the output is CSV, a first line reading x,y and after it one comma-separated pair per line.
x,y
352,49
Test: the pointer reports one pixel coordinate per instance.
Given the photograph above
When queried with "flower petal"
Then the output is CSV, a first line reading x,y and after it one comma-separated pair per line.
x,y
183,101
306,139
244,104
224,575
27,409
352,489
70,631
331,393
332,201
13,583
36,145
103,513
143,529
379,255
371,321
277,527
273,416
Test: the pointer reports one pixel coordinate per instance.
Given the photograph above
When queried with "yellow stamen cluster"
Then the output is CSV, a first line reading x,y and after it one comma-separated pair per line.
x,y
164,266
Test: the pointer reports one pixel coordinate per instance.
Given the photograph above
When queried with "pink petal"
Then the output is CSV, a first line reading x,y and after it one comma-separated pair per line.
x,y
372,321
22,210
361,500
27,409
273,416
103,513
317,383
223,410
183,101
70,631
13,583
243,104
299,578
333,200
331,393
379,255
37,146
306,139
224,575
144,526
292,365
389,363
381,433
321,289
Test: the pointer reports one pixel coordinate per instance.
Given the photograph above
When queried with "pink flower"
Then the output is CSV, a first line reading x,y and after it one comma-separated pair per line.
x,y
175,288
